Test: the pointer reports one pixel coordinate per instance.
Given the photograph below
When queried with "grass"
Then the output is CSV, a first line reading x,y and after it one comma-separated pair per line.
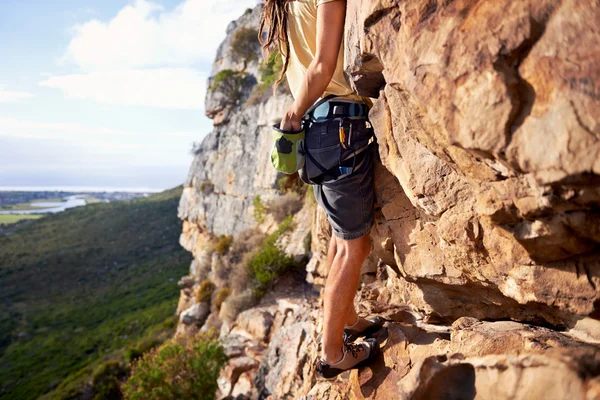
x,y
20,207
82,286
50,200
29,205
7,219
92,200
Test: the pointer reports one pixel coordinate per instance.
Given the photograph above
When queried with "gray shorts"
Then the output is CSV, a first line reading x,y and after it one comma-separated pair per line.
x,y
348,201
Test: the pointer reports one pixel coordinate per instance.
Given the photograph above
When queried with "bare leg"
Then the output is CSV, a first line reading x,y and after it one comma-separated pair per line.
x,y
352,317
340,290
331,250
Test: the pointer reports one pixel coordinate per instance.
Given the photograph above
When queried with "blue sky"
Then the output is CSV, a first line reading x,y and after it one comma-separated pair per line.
x,y
105,93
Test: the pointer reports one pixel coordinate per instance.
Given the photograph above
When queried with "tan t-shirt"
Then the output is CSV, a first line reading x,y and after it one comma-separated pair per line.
x,y
302,34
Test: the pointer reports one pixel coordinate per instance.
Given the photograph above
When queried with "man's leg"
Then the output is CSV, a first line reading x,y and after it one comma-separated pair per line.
x,y
352,316
340,289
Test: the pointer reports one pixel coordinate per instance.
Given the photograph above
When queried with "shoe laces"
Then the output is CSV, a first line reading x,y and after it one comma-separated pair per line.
x,y
354,349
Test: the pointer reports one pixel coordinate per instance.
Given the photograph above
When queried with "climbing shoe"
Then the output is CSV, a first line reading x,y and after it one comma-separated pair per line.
x,y
362,327
355,355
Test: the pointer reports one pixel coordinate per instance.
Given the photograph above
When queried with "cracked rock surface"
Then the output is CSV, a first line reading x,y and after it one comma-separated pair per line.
x,y
486,247
489,139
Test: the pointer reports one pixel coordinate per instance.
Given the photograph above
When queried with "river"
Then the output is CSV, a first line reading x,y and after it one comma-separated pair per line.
x,y
76,200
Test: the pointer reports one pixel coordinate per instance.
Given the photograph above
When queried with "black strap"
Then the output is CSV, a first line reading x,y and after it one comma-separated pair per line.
x,y
334,173
317,164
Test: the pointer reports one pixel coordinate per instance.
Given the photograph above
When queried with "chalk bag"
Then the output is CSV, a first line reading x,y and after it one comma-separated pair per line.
x,y
287,155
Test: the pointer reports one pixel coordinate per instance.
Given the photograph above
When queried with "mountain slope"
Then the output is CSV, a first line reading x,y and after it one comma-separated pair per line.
x,y
83,284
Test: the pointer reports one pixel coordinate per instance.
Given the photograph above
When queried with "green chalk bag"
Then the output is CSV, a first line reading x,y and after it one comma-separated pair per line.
x,y
287,155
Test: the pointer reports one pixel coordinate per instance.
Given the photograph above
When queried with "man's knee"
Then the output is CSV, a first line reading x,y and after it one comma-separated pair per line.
x,y
355,248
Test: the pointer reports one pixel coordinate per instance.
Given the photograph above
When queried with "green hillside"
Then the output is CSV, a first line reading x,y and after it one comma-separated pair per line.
x,y
79,287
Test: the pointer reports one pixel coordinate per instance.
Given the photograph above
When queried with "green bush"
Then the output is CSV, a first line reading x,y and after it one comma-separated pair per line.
x,y
205,291
245,45
270,261
223,245
177,371
259,209
107,378
133,353
269,70
140,348
231,83
221,77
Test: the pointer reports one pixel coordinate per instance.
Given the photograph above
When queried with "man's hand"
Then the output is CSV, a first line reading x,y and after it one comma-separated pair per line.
x,y
291,121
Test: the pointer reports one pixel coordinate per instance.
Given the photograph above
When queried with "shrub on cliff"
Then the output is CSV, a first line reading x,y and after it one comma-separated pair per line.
x,y
220,298
259,209
205,291
246,242
231,83
284,206
187,370
223,245
235,304
269,70
245,45
270,261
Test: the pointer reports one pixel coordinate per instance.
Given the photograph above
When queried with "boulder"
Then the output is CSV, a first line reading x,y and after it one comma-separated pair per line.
x,y
256,322
195,315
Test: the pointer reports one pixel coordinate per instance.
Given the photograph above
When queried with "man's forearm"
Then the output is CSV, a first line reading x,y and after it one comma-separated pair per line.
x,y
316,79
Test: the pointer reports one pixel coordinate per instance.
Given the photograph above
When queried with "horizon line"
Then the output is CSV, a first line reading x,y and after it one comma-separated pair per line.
x,y
73,189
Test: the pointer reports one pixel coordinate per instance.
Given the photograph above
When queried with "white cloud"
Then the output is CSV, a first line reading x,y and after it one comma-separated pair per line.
x,y
8,96
144,35
13,127
146,55
182,88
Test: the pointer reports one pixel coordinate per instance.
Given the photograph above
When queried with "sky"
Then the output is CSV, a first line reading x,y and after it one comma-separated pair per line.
x,y
105,93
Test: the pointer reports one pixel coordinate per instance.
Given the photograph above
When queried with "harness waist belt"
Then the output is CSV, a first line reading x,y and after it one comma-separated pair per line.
x,y
336,109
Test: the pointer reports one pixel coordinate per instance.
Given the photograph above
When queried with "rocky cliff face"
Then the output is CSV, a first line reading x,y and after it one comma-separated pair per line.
x,y
488,121
486,258
230,167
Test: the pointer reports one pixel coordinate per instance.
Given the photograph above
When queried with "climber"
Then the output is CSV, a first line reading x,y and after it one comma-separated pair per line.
x,y
309,33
